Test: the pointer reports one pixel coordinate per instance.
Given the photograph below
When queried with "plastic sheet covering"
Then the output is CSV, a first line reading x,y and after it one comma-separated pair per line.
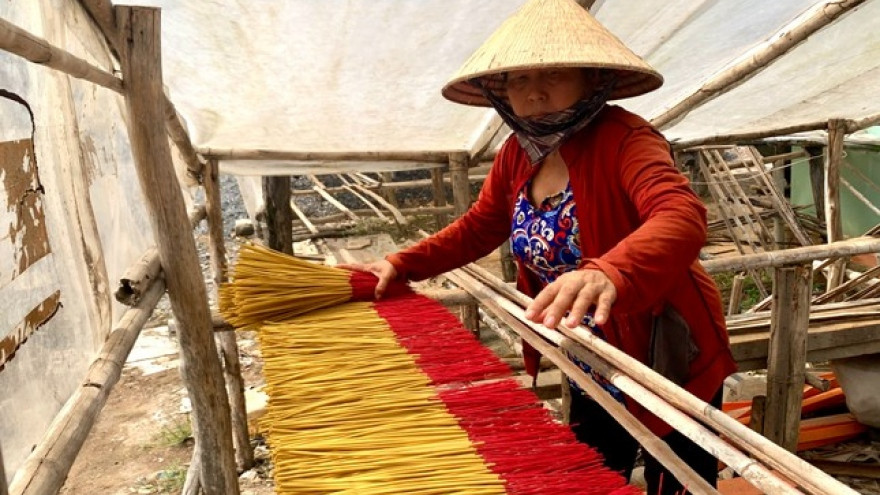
x,y
832,74
323,76
72,219
689,41
365,76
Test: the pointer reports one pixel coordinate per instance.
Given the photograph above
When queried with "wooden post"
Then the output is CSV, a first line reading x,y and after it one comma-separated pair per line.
x,y
470,317
139,29
244,455
834,228
439,189
759,408
787,354
565,400
279,215
817,180
508,267
461,186
778,173
736,292
390,195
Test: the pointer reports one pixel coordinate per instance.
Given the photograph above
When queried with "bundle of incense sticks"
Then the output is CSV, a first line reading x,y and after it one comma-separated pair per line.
x,y
396,396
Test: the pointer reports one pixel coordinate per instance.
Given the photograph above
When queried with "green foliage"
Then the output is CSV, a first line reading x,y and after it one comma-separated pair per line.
x,y
174,433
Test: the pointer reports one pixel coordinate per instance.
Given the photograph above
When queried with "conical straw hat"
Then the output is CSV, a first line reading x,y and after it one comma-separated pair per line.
x,y
551,33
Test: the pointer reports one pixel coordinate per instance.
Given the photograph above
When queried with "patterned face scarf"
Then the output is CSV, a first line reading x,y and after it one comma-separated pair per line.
x,y
542,136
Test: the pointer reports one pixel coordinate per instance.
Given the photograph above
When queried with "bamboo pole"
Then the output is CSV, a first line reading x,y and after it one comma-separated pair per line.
x,y
833,224
861,197
336,156
749,136
180,138
790,318
789,465
849,247
302,218
47,466
241,440
318,187
859,124
758,58
388,206
358,195
461,188
389,194
438,188
140,32
512,315
19,42
137,278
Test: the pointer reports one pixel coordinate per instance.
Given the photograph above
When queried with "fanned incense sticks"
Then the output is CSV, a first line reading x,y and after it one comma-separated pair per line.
x,y
392,397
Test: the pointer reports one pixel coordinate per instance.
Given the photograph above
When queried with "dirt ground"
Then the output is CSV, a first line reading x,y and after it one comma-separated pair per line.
x,y
142,440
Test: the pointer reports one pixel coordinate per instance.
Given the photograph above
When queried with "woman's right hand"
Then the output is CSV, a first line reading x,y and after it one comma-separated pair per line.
x,y
383,270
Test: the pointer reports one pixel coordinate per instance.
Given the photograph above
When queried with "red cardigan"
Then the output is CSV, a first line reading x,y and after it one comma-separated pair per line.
x,y
640,224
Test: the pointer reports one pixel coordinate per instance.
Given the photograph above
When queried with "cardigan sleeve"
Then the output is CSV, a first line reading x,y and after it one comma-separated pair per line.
x,y
647,263
470,237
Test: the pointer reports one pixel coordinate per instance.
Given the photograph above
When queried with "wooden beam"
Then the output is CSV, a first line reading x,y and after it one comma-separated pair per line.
x,y
512,316
461,186
142,69
817,179
859,124
177,132
651,383
358,195
244,454
137,278
398,216
849,247
302,218
741,137
19,42
335,156
833,223
47,466
758,58
319,188
787,353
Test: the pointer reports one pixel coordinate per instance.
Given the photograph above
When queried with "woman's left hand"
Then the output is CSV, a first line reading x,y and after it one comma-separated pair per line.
x,y
574,292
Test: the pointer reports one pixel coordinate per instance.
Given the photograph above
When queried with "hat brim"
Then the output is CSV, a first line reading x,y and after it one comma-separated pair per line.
x,y
630,82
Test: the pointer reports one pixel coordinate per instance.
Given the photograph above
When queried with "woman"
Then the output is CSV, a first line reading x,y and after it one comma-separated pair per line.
x,y
599,218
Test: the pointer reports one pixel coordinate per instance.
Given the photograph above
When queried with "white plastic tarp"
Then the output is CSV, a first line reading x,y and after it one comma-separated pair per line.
x,y
337,75
72,220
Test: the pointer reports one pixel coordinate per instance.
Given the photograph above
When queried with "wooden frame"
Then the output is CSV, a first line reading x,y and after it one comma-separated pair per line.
x,y
139,29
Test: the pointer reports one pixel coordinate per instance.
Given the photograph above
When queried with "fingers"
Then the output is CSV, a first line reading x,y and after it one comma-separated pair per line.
x,y
603,306
574,293
355,267
381,286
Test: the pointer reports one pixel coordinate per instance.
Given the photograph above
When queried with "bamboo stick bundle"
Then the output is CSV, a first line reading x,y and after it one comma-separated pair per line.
x,y
267,285
364,398
393,396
